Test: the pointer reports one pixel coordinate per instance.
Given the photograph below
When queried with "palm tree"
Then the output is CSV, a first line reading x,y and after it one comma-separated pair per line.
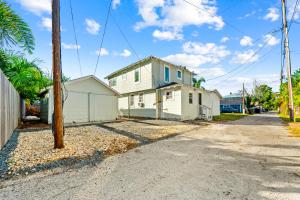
x,y
25,75
13,30
197,82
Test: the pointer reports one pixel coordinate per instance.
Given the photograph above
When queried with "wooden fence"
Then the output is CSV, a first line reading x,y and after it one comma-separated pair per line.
x,y
9,109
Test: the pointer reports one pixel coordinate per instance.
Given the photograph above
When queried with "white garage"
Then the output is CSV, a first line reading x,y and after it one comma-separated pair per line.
x,y
87,99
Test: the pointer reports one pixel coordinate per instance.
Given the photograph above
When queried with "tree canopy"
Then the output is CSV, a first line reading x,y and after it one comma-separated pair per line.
x,y
13,30
25,75
197,82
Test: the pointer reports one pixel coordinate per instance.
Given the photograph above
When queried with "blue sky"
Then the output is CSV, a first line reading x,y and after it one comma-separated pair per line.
x,y
212,40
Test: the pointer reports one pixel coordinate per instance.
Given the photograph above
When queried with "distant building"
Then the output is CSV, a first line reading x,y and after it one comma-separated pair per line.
x,y
232,103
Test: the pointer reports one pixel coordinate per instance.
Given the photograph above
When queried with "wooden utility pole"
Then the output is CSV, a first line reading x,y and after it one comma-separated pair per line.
x,y
244,99
288,60
56,66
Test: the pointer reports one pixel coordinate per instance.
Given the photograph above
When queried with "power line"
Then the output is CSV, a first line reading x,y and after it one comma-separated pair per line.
x,y
75,37
293,15
125,38
203,10
104,31
247,67
251,57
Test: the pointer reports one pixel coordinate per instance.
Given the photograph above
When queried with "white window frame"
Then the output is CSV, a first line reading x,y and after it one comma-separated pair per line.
x,y
177,74
139,70
141,95
172,93
165,74
190,93
113,80
124,76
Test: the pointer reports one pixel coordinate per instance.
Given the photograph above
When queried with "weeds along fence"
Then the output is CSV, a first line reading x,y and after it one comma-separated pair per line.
x,y
9,109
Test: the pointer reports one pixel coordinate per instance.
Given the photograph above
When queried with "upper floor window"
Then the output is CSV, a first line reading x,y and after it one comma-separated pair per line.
x,y
167,74
179,74
137,75
190,98
124,76
113,82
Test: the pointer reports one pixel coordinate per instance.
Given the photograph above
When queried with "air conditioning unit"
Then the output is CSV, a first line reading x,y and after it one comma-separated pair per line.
x,y
141,104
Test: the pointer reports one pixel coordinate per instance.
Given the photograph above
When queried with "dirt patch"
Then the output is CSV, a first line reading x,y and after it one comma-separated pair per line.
x,y
34,150
153,130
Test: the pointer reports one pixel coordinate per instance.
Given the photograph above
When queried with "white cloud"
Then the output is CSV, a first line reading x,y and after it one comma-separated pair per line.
x,y
195,54
70,46
167,35
175,14
210,72
208,49
92,26
246,41
103,52
272,15
271,40
189,60
47,23
224,39
116,3
245,57
125,53
36,6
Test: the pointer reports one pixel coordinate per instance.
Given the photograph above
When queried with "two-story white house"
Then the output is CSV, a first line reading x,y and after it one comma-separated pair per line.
x,y
155,88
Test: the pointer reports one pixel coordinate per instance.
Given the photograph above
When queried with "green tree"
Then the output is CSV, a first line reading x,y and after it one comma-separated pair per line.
x,y
25,75
264,97
197,82
13,30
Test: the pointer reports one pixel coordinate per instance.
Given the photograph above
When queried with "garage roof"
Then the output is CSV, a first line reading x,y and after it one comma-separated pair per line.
x,y
43,92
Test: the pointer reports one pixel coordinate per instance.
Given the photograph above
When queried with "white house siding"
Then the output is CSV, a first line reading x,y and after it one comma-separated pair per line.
x,y
128,85
190,111
149,109
215,103
158,73
87,101
171,108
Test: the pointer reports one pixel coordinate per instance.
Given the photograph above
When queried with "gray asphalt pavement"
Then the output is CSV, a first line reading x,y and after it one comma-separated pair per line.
x,y
252,158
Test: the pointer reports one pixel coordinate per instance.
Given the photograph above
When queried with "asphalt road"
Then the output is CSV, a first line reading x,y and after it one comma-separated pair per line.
x,y
252,158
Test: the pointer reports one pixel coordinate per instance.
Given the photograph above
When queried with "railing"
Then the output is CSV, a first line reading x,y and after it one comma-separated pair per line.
x,y
205,113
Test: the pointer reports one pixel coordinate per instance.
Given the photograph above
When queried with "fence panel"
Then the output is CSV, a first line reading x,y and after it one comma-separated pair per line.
x,y
9,109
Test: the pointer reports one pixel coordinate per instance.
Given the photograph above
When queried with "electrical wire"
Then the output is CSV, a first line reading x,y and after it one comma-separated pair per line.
x,y
104,31
75,37
241,65
125,38
203,10
293,15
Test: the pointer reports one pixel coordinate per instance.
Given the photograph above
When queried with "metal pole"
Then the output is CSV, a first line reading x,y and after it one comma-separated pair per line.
x,y
56,65
243,99
288,61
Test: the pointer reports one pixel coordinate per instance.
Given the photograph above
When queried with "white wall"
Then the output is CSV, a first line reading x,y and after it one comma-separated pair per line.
x,y
190,111
171,108
128,85
149,109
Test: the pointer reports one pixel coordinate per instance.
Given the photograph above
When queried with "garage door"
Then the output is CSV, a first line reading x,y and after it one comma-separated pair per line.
x,y
103,107
76,107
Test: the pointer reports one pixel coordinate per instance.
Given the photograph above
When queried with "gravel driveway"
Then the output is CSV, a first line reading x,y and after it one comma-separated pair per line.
x,y
252,158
